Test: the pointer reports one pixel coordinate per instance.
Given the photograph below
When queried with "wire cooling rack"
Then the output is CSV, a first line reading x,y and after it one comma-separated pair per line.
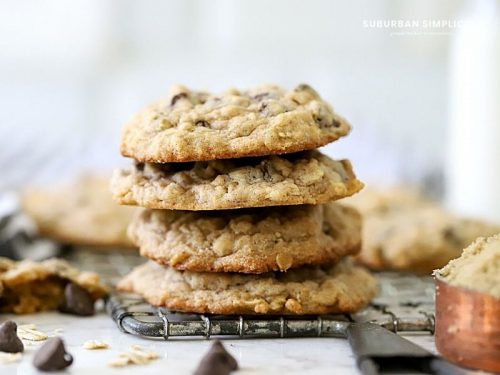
x,y
405,304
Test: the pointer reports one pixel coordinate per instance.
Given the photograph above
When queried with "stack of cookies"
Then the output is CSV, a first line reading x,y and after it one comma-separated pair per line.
x,y
239,212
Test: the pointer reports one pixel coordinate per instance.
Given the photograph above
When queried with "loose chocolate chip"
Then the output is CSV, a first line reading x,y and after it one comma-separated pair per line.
x,y
52,356
77,301
9,342
217,361
203,123
175,98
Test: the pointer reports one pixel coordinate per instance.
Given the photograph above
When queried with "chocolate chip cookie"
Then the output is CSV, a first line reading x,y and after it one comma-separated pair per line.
x,y
195,126
27,287
248,240
301,178
81,212
340,288
405,231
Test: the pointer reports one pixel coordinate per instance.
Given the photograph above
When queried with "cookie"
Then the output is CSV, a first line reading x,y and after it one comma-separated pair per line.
x,y
300,178
248,240
195,126
27,287
373,199
340,288
79,213
478,268
412,233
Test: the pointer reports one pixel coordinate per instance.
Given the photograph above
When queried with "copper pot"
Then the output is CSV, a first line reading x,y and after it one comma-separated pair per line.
x,y
468,327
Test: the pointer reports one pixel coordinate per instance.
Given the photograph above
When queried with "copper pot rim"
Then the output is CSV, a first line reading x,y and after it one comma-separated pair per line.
x,y
463,290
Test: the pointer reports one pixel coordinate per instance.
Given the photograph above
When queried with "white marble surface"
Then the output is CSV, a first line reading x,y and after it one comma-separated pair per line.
x,y
255,356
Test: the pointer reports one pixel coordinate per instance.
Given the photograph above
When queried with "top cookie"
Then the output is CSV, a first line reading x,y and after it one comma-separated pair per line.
x,y
195,126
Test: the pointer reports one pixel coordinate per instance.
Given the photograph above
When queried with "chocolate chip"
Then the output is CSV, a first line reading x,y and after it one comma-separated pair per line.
x,y
175,98
202,98
217,361
52,356
336,123
450,235
139,166
266,170
203,123
330,230
9,342
323,123
77,301
303,87
261,96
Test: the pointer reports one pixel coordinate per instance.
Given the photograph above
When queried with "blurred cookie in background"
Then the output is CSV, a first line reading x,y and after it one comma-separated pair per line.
x,y
79,213
405,231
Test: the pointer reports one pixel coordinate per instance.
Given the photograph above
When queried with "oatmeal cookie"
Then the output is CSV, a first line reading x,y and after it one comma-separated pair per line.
x,y
194,126
248,240
301,178
79,213
340,288
405,231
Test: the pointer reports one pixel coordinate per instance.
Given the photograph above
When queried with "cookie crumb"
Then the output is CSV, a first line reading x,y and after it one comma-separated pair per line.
x,y
135,356
30,332
6,358
95,344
